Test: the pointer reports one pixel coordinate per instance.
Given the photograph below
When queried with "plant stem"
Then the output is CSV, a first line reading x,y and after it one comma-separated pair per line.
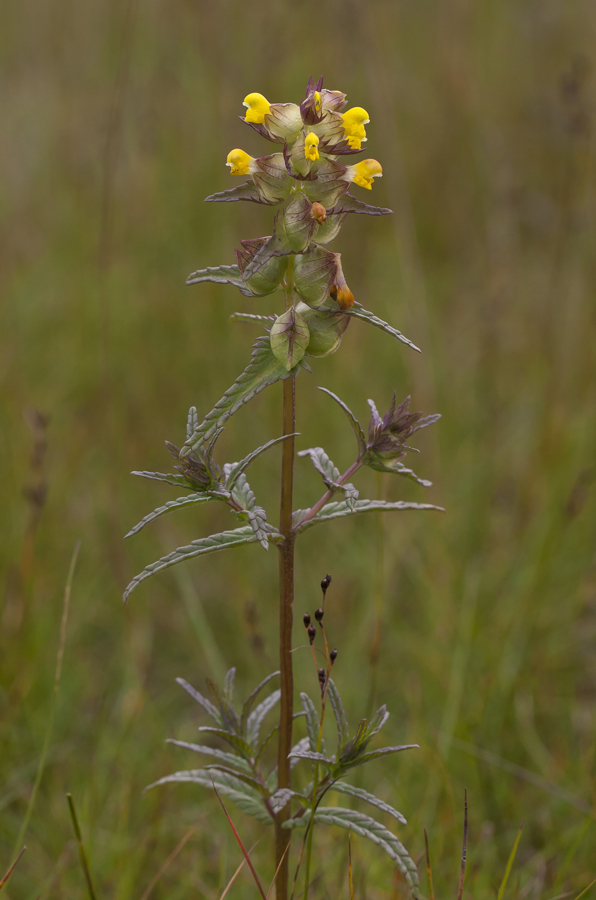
x,y
329,494
286,605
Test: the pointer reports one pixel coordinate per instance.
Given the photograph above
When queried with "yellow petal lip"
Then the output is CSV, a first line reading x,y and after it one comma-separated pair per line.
x,y
311,146
240,162
364,172
258,106
355,116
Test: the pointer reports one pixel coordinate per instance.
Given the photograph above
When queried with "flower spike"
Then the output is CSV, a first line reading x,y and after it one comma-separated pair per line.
x,y
364,172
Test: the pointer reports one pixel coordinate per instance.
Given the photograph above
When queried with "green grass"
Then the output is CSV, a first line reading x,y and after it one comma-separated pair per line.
x,y
116,120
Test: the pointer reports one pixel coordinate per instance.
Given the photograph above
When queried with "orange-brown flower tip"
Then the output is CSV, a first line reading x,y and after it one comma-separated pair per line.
x,y
343,295
319,213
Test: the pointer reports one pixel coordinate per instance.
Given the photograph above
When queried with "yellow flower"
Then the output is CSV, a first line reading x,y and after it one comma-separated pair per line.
x,y
311,146
354,121
258,107
364,172
240,162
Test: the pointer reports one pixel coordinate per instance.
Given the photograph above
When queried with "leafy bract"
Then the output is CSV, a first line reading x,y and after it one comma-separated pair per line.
x,y
339,509
263,370
221,275
242,794
344,788
289,338
358,312
246,191
230,759
199,547
350,204
356,427
168,507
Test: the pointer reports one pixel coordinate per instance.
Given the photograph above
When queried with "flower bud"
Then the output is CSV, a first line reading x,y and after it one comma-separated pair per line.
x,y
312,633
319,212
319,613
333,655
306,619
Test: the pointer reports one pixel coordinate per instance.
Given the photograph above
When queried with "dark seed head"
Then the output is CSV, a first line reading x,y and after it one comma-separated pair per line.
x,y
325,583
306,619
333,655
322,676
319,613
312,633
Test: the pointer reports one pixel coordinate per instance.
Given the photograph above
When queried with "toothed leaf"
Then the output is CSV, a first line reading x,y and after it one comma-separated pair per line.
x,y
173,504
237,469
221,275
356,427
312,720
230,759
256,717
340,509
246,191
344,788
339,713
245,797
358,312
206,704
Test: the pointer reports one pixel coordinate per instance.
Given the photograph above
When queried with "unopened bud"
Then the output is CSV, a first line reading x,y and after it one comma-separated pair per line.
x,y
306,619
312,633
333,655
319,212
322,676
325,583
319,613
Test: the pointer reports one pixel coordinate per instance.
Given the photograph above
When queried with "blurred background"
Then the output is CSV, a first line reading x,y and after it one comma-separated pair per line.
x,y
477,627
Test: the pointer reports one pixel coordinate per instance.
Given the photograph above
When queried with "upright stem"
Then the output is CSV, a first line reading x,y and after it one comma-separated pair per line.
x,y
286,604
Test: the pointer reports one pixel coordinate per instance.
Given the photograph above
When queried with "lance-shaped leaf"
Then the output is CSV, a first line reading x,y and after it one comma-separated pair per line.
x,y
251,699
312,720
377,722
289,338
251,317
344,788
230,759
228,688
269,274
341,509
221,275
312,755
396,468
358,312
226,709
235,470
242,776
356,427
264,369
255,720
369,828
339,713
211,544
175,480
348,204
168,507
314,273
375,754
329,186
235,741
246,191
330,473
206,704
243,795
192,421
271,178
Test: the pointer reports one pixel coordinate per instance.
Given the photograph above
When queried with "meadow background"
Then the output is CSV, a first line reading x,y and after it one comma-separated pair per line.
x,y
116,121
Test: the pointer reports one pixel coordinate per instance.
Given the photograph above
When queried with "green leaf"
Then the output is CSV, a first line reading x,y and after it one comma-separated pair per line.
x,y
246,191
349,204
228,714
221,275
289,338
330,473
228,690
330,228
375,754
247,799
356,427
251,699
396,468
256,717
314,272
312,720
250,317
377,722
369,828
232,739
263,370
329,185
237,469
271,177
207,705
211,544
247,779
242,492
358,312
356,746
293,229
176,480
192,421
168,507
339,713
312,755
281,798
257,518
231,759
340,509
344,788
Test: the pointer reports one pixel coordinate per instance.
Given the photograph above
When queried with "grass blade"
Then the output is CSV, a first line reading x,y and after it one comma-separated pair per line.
x,y
11,869
431,893
510,862
167,862
236,873
462,873
585,890
237,836
284,854
57,676
82,853
350,874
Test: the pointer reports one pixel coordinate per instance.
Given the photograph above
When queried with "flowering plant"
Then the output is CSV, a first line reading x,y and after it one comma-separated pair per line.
x,y
310,187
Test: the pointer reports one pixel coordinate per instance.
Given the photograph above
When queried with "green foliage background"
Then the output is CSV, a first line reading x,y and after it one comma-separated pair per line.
x,y
116,120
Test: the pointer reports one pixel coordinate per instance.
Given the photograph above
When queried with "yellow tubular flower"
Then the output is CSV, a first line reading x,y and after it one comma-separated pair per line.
x,y
258,107
311,146
364,172
240,162
318,101
354,121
